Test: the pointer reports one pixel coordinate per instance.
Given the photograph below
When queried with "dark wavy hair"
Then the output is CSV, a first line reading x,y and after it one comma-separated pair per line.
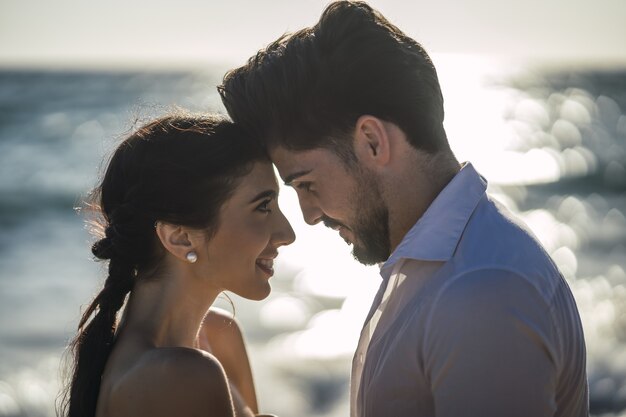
x,y
178,169
306,90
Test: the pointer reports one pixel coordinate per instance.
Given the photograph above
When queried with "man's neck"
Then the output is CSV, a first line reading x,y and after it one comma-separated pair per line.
x,y
414,190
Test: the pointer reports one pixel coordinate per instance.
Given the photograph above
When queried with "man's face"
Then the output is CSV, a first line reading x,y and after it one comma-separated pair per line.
x,y
345,199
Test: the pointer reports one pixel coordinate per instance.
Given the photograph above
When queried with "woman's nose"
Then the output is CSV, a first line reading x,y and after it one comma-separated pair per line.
x,y
284,234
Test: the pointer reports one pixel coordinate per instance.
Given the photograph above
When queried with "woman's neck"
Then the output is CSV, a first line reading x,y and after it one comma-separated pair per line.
x,y
167,311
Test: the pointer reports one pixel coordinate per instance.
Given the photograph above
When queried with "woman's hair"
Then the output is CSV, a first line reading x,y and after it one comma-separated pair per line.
x,y
177,169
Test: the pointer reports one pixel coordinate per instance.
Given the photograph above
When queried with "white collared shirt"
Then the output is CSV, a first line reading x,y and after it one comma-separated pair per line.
x,y
472,319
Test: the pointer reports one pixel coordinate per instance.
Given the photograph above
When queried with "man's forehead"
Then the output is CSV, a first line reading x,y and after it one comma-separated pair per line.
x,y
296,163
288,157
288,161
280,160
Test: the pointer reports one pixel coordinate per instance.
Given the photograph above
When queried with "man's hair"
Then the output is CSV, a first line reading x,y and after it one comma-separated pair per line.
x,y
306,90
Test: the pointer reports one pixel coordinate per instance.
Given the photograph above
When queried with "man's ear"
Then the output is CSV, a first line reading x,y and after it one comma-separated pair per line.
x,y
175,239
371,141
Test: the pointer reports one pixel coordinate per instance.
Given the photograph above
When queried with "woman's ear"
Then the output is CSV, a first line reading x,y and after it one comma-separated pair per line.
x,y
371,141
175,239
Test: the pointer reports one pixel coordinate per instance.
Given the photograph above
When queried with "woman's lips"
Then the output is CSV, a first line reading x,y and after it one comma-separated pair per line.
x,y
266,265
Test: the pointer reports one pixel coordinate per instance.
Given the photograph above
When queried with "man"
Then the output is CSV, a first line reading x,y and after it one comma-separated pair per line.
x,y
472,317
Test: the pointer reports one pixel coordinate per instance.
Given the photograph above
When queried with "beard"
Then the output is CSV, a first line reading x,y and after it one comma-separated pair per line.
x,y
370,224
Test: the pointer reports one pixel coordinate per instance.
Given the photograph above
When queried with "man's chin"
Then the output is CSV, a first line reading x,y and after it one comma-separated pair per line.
x,y
367,256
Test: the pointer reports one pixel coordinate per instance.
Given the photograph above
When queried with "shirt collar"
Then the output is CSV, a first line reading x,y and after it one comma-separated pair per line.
x,y
435,236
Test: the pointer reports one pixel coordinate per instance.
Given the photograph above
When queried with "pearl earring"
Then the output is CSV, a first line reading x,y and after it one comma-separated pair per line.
x,y
192,257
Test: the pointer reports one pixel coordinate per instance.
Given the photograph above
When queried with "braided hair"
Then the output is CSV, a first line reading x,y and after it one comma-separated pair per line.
x,y
179,169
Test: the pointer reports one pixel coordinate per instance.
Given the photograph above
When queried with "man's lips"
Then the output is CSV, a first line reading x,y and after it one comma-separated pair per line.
x,y
333,224
345,234
344,231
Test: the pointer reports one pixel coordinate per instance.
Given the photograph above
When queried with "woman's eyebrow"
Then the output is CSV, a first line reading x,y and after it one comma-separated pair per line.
x,y
264,194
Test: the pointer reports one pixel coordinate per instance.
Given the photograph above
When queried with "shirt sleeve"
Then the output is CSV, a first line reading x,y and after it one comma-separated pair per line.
x,y
489,348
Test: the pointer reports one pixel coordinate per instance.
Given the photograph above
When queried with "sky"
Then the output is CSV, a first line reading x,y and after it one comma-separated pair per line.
x,y
140,32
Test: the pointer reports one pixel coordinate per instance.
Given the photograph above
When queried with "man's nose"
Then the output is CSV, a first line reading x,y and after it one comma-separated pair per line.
x,y
311,212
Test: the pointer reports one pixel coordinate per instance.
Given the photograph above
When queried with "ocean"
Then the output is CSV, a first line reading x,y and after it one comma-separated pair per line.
x,y
551,141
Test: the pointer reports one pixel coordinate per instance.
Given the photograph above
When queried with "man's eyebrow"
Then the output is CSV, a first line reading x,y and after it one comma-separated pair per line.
x,y
289,179
264,194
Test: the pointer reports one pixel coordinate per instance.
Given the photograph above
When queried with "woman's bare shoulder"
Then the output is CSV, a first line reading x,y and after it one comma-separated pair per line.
x,y
218,317
219,326
174,381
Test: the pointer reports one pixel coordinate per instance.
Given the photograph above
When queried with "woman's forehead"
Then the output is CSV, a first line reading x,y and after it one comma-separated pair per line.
x,y
260,178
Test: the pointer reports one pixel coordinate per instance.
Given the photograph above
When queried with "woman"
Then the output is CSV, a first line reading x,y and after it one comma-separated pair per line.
x,y
188,209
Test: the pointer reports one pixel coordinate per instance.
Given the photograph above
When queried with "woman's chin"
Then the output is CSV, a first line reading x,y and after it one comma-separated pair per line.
x,y
256,294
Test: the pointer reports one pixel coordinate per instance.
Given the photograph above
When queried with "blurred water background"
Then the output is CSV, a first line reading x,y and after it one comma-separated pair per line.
x,y
551,141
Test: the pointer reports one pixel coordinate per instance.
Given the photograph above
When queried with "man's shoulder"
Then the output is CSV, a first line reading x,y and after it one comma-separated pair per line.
x,y
492,222
495,237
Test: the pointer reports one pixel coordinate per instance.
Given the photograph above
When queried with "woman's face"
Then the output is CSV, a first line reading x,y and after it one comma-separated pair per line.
x,y
251,229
